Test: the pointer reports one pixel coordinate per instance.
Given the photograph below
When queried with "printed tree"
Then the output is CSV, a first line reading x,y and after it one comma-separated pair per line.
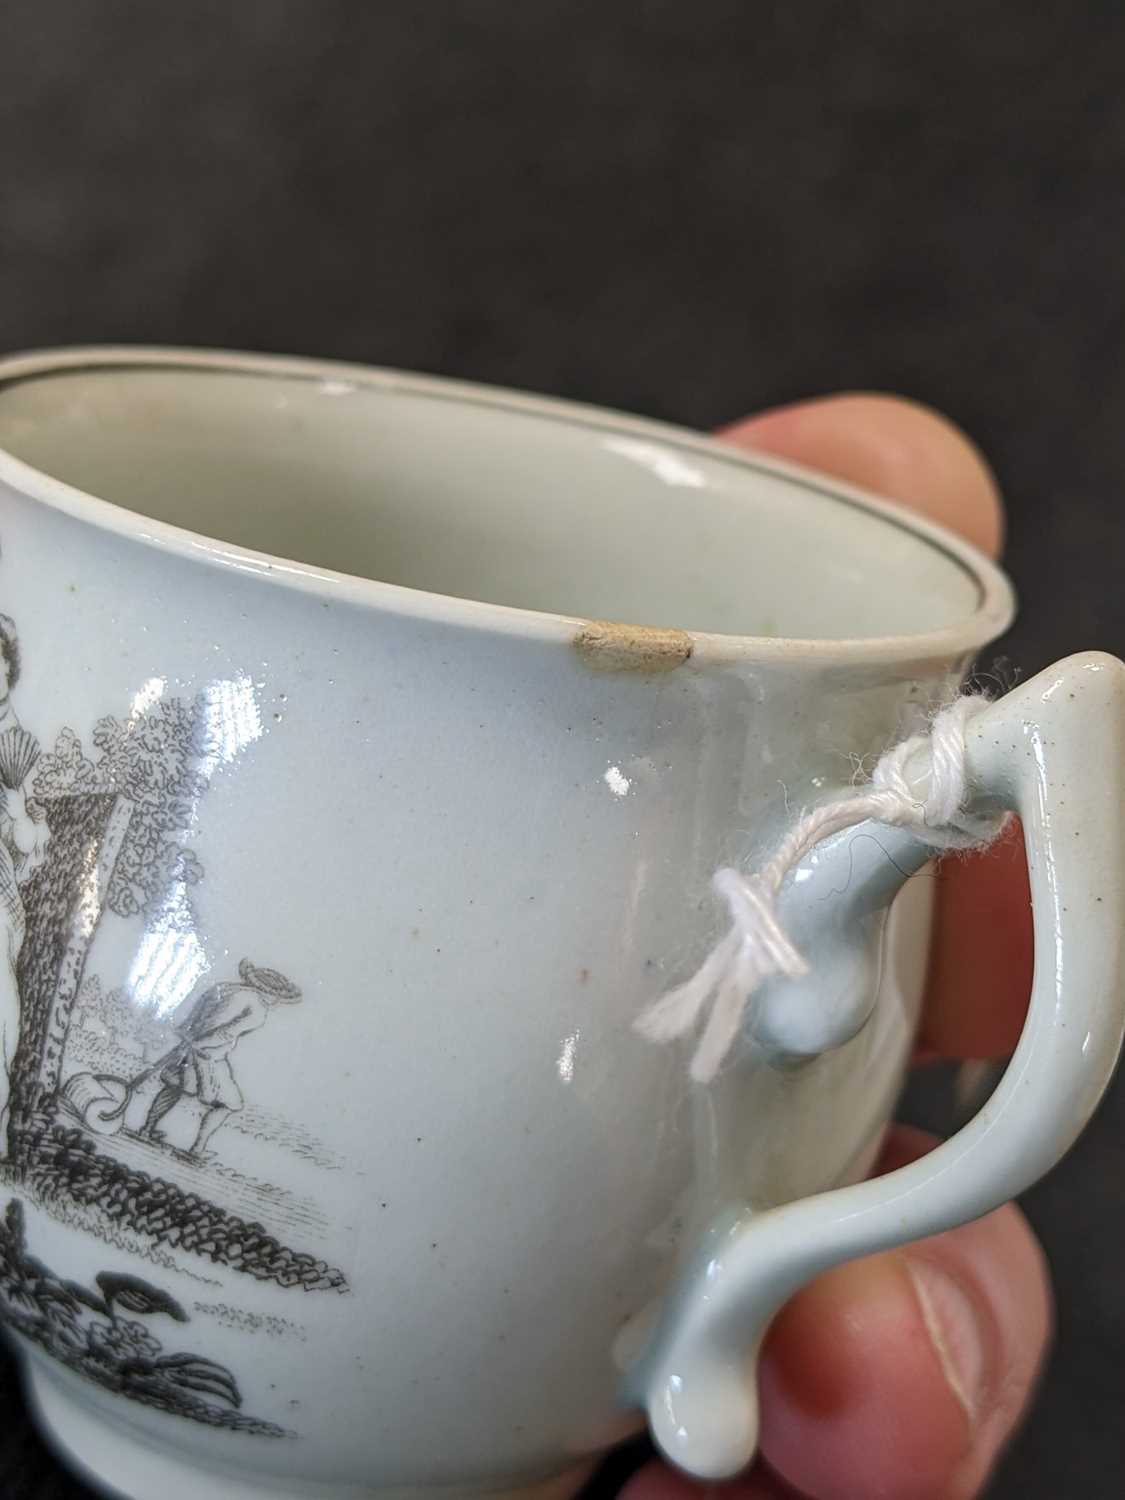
x,y
120,819
125,813
156,760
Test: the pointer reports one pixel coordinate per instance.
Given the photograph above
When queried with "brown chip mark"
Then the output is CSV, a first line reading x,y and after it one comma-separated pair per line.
x,y
607,646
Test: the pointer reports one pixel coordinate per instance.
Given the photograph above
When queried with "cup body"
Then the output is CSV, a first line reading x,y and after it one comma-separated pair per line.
x,y
414,1216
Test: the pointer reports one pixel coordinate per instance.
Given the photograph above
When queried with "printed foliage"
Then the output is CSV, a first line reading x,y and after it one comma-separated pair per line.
x,y
154,759
83,1328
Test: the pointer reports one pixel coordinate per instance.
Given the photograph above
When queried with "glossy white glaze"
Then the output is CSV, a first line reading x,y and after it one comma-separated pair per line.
x,y
1037,752
479,839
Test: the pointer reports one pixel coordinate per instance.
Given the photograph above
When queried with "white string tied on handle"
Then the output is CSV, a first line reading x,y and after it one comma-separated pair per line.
x,y
756,947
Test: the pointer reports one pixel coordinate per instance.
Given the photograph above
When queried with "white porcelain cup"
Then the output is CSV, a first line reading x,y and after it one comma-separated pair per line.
x,y
343,839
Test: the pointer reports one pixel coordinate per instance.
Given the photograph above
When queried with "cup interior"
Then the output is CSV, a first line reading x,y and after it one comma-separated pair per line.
x,y
484,496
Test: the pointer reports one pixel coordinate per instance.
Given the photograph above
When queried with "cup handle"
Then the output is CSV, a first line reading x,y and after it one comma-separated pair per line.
x,y
1054,752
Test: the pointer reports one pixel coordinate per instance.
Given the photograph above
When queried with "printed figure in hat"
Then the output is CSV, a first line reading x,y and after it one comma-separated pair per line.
x,y
199,1067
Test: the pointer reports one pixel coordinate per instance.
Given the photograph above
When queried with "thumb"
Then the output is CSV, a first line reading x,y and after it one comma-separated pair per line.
x,y
892,447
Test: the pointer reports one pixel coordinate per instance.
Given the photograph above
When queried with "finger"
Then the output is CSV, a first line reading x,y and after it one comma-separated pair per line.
x,y
892,447
981,958
656,1481
981,973
904,1374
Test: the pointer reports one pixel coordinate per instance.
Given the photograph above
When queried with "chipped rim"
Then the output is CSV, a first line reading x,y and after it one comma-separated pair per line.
x,y
993,613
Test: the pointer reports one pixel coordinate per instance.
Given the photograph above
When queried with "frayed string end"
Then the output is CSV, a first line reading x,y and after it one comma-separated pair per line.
x,y
756,947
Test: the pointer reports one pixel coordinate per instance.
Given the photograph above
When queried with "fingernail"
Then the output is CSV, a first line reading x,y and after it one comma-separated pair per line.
x,y
954,1322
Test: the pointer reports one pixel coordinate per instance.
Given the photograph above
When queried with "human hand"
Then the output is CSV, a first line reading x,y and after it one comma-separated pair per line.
x,y
903,1375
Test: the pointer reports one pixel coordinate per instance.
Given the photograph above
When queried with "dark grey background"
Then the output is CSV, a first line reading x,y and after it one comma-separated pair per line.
x,y
684,209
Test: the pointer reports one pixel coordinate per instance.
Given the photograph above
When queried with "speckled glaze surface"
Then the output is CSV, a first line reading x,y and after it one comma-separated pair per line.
x,y
332,1163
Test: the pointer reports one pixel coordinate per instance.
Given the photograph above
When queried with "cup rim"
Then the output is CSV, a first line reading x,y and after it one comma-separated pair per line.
x,y
994,610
